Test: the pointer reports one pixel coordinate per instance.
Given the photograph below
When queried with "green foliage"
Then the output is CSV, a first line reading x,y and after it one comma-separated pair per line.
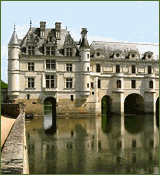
x,y
3,85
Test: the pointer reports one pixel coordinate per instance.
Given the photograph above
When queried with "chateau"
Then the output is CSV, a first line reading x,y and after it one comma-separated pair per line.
x,y
47,62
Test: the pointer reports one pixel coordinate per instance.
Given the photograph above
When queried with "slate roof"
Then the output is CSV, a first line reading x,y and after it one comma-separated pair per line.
x,y
14,39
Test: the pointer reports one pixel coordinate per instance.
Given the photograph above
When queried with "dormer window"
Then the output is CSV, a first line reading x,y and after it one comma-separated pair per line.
x,y
50,51
69,52
31,50
149,56
117,55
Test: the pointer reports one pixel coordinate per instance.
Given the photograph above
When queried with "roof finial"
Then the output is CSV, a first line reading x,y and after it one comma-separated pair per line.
x,y
30,23
14,27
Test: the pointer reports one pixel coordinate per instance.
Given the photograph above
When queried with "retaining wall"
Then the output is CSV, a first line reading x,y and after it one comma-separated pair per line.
x,y
14,153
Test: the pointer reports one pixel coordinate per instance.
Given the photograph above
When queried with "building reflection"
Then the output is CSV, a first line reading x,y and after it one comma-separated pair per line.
x,y
84,146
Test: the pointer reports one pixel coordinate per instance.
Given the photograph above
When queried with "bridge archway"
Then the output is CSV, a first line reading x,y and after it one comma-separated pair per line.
x,y
106,113
134,104
50,114
157,112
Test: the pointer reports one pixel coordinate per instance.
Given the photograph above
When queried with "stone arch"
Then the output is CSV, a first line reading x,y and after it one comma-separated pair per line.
x,y
134,104
157,112
50,112
106,104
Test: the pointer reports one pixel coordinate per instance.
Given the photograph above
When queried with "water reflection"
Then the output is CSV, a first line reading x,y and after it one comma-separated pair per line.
x,y
90,146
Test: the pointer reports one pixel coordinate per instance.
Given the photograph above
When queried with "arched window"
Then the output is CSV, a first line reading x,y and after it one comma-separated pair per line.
x,y
151,84
118,83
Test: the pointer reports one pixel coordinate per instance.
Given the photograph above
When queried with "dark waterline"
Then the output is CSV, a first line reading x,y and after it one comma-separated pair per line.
x,y
99,145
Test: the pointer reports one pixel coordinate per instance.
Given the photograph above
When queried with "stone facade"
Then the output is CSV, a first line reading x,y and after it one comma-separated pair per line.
x,y
47,62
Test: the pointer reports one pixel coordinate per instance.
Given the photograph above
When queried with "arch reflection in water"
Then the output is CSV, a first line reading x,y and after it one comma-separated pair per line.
x,y
106,113
134,104
134,123
50,115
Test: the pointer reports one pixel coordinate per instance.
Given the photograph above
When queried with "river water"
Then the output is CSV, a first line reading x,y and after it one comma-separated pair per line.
x,y
94,145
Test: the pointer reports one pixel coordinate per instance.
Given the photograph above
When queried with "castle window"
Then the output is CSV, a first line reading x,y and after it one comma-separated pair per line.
x,y
92,93
117,54
50,81
151,84
149,56
69,52
31,50
28,96
117,68
99,83
30,66
133,69
30,82
71,97
69,67
149,69
87,55
133,55
87,85
87,68
68,82
118,83
50,51
98,53
98,68
133,83
50,64
92,85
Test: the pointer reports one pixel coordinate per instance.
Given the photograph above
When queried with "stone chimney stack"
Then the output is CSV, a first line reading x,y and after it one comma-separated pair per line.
x,y
42,29
58,30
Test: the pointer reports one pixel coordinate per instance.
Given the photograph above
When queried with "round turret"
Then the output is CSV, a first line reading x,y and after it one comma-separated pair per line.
x,y
85,65
13,66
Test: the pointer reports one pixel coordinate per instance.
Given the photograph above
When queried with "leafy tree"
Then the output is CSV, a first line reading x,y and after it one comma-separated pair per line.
x,y
3,85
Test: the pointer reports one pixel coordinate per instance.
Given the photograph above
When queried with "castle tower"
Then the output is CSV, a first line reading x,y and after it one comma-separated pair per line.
x,y
85,65
13,67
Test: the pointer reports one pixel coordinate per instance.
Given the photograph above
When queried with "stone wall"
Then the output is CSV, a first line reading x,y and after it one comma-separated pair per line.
x,y
12,155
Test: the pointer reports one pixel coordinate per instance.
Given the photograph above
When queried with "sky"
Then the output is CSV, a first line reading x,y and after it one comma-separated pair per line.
x,y
111,21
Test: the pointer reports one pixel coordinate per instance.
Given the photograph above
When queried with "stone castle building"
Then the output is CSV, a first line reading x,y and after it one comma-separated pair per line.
x,y
47,62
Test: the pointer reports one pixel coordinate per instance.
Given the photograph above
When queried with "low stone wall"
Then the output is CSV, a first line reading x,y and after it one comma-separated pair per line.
x,y
12,155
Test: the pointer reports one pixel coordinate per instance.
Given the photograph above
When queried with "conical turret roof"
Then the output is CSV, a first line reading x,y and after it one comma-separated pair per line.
x,y
14,38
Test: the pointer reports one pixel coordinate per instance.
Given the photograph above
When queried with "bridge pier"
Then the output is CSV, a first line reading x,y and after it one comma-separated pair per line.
x,y
118,103
150,102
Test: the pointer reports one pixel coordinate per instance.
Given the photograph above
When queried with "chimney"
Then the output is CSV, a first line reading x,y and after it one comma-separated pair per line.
x,y
42,29
58,30
84,33
84,41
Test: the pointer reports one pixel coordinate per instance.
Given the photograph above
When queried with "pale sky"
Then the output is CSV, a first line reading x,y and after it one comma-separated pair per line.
x,y
111,21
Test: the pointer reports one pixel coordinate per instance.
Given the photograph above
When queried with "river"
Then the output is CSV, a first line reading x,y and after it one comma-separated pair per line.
x,y
94,145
